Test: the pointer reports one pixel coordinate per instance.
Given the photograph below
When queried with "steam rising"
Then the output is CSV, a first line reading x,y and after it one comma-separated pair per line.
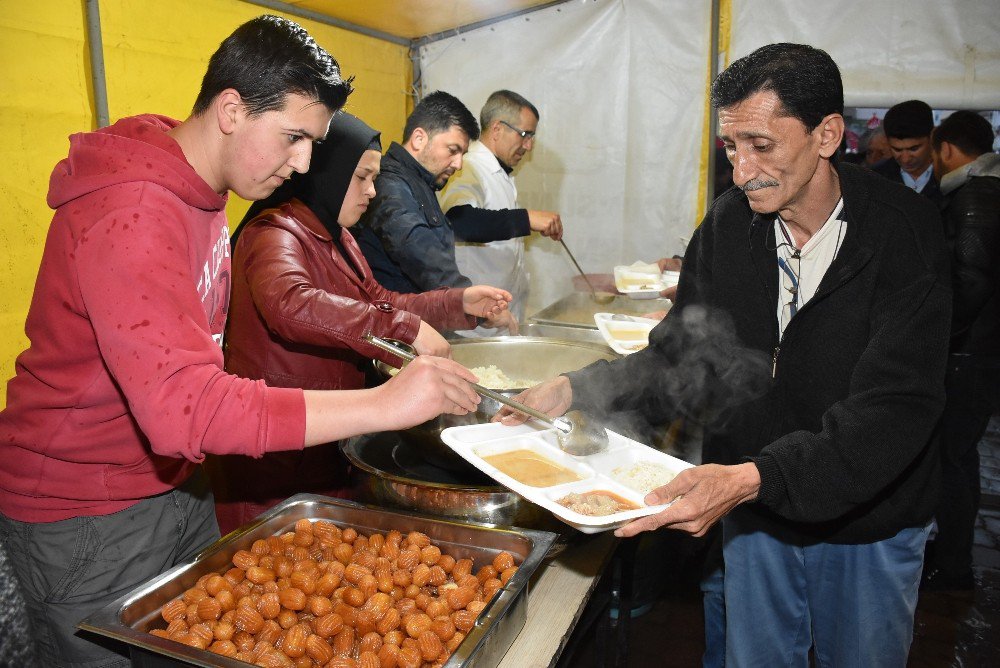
x,y
703,373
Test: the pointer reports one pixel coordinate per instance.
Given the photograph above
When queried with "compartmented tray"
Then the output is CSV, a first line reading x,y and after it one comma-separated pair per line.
x,y
625,335
129,618
627,469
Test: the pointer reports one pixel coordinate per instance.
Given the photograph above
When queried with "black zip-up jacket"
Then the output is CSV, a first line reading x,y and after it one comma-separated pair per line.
x,y
891,170
842,432
404,235
972,227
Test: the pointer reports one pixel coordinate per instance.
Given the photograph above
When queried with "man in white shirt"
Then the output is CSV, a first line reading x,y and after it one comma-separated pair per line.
x,y
481,204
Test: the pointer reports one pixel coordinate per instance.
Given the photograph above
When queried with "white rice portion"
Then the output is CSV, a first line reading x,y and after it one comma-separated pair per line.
x,y
643,477
495,379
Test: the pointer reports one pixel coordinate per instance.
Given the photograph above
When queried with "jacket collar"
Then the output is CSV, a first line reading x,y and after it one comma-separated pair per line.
x,y
299,211
855,250
408,163
489,157
988,164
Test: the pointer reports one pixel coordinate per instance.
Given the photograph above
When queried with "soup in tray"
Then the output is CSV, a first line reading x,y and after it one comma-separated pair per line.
x,y
531,468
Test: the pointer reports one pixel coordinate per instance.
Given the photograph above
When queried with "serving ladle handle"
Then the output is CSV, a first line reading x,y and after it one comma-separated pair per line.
x,y
586,440
562,425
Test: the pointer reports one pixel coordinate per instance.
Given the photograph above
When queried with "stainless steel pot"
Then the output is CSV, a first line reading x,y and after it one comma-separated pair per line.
x,y
387,471
534,358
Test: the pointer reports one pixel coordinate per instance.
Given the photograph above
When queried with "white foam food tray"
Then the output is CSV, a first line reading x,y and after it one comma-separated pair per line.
x,y
638,282
625,335
625,469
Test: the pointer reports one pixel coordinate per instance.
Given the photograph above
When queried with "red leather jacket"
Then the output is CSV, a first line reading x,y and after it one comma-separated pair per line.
x,y
299,310
297,314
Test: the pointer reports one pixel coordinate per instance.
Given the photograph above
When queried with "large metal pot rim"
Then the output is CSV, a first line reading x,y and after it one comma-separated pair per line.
x,y
453,487
384,368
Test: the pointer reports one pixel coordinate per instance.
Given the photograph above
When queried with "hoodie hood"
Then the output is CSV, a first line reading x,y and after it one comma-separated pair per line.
x,y
988,164
135,149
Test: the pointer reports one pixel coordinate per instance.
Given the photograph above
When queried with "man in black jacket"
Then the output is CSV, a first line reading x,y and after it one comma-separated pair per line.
x,y
908,127
404,235
970,182
826,479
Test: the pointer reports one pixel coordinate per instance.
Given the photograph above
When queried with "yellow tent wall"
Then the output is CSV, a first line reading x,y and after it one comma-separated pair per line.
x,y
155,56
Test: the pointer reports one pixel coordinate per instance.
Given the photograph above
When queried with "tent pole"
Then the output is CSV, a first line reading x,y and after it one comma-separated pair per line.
x,y
97,78
713,130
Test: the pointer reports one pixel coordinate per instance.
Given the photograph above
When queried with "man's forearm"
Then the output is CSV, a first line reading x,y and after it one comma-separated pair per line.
x,y
480,226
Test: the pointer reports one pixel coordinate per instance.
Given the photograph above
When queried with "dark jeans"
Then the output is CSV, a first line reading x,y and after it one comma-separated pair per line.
x,y
71,568
971,399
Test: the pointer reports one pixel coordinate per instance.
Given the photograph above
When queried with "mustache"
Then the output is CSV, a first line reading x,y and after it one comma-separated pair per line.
x,y
757,184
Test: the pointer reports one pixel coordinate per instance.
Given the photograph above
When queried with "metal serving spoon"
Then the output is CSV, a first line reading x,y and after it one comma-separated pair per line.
x,y
577,434
599,297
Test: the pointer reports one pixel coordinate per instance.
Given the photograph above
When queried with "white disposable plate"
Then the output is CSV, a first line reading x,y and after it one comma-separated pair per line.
x,y
624,336
606,471
638,284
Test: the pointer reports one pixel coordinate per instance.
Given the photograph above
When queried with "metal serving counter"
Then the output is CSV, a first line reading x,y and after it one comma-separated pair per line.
x,y
576,311
560,590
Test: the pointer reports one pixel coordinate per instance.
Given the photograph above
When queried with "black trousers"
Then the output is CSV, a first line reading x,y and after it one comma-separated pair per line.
x,y
972,396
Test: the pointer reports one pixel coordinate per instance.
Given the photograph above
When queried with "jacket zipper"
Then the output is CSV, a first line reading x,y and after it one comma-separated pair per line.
x,y
774,361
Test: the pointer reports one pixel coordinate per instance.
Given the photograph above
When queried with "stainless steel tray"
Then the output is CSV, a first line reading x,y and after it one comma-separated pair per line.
x,y
577,310
130,617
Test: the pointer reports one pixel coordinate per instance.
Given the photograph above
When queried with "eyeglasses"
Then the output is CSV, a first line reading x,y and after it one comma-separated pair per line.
x,y
790,281
525,134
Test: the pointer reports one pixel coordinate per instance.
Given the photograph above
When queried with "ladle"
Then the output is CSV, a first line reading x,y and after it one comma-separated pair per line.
x,y
599,298
576,432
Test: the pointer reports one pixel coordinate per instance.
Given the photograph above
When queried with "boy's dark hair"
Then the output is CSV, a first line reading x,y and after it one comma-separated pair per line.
x,y
804,78
966,130
908,120
265,60
439,111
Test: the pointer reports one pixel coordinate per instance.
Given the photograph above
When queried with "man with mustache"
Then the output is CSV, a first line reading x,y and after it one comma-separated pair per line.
x,y
481,203
406,238
826,480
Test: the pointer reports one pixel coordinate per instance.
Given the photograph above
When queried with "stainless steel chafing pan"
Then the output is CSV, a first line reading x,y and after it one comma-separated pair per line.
x,y
130,617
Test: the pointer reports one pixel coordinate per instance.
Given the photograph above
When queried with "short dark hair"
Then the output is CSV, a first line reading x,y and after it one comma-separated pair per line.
x,y
966,130
908,120
437,113
504,105
265,60
804,78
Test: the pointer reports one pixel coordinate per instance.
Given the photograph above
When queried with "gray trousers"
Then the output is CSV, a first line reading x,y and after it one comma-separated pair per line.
x,y
71,568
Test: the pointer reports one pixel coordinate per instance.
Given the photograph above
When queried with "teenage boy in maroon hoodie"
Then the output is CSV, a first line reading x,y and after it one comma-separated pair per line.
x,y
122,390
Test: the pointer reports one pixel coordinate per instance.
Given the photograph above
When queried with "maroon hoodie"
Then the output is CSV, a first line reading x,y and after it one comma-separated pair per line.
x,y
122,390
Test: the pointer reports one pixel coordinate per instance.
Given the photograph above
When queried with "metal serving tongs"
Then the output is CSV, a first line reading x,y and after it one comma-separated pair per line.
x,y
577,434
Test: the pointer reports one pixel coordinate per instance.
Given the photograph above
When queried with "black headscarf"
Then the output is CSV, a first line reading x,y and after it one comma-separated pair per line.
x,y
331,169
